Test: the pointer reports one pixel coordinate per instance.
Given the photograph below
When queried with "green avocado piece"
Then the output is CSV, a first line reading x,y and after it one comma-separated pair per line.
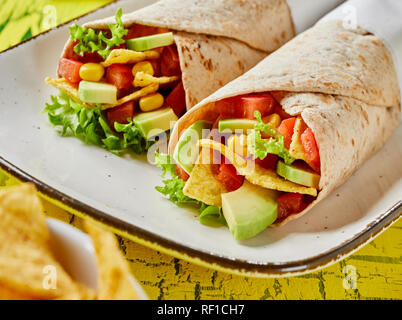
x,y
249,210
236,125
150,42
298,174
186,152
96,92
155,122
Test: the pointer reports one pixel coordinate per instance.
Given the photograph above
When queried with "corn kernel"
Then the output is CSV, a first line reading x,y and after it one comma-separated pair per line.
x,y
92,72
144,66
273,119
151,102
238,144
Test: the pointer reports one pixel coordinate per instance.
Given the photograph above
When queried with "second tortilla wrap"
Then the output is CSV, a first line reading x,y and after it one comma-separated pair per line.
x,y
217,41
342,82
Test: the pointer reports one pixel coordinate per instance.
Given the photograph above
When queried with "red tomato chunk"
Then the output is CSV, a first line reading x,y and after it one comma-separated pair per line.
x,y
264,103
311,149
290,203
70,70
244,106
177,99
181,173
286,130
269,162
120,114
228,177
169,60
120,76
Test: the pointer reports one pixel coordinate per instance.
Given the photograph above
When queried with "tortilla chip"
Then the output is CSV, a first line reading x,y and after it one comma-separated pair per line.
x,y
124,56
27,265
255,174
136,95
68,88
114,277
11,294
143,79
296,149
202,184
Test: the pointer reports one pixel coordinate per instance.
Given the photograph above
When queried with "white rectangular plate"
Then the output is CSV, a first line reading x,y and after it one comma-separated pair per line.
x,y
121,191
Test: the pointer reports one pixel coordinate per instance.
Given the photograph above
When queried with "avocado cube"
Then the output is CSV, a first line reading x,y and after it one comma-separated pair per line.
x,y
249,210
155,122
96,92
298,174
236,125
150,42
186,151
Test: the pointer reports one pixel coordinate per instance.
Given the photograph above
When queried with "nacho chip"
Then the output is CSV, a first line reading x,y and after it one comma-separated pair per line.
x,y
296,149
255,174
68,88
27,265
136,95
114,277
202,184
143,79
129,56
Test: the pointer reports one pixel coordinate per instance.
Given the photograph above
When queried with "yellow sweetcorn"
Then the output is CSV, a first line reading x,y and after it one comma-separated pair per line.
x,y
238,144
151,102
92,72
143,66
273,119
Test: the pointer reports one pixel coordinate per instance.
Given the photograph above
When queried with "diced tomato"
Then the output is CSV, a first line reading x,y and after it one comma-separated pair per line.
x,y
269,162
170,64
177,99
290,203
244,106
70,70
120,76
156,66
138,30
286,130
229,108
264,103
121,113
181,173
311,149
228,177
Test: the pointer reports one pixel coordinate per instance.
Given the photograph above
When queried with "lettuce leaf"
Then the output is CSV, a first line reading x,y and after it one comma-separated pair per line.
x,y
173,190
212,216
90,126
259,147
90,40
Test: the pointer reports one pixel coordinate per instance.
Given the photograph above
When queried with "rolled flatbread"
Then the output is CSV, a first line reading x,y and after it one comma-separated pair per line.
x,y
340,81
217,41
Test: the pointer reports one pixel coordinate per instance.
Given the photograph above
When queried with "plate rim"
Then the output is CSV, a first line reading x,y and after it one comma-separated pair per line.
x,y
204,258
196,256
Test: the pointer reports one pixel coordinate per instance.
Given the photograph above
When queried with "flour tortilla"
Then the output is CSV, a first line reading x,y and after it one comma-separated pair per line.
x,y
217,41
343,84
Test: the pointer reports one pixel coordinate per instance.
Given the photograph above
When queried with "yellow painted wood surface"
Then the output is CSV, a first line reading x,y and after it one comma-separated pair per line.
x,y
376,268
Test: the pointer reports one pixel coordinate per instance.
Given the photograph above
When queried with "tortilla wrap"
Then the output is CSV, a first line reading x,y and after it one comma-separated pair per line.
x,y
217,41
343,84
